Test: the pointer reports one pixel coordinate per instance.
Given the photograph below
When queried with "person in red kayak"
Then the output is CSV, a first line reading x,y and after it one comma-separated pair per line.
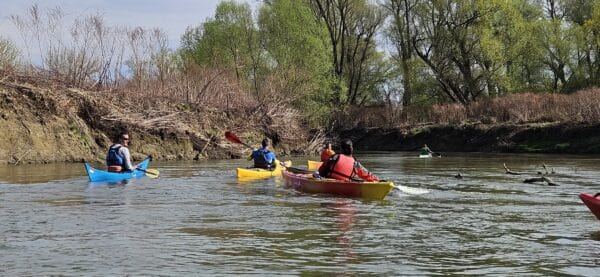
x,y
118,158
327,152
344,167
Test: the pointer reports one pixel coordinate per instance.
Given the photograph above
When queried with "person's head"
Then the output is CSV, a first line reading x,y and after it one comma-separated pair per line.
x,y
265,143
124,138
425,145
347,147
327,145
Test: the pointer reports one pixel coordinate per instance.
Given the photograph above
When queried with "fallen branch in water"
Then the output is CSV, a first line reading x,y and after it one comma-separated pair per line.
x,y
546,169
540,179
458,175
508,171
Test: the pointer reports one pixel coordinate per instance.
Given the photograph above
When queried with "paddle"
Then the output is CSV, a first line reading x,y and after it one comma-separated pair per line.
x,y
151,173
230,136
299,170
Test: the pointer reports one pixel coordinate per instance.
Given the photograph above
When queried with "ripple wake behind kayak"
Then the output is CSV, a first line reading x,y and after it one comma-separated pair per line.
x,y
410,190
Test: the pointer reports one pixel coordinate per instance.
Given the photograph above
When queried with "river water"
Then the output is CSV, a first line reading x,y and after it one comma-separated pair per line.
x,y
198,219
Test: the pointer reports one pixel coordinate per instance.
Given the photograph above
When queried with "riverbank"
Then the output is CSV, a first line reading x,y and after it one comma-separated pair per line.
x,y
564,138
46,121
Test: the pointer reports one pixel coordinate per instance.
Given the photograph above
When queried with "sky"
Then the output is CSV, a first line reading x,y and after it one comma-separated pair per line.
x,y
172,16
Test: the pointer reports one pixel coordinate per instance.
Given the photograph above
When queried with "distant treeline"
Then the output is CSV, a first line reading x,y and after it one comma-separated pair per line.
x,y
428,60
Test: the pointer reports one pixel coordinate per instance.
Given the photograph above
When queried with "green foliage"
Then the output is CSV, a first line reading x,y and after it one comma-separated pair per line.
x,y
229,40
297,47
321,55
352,27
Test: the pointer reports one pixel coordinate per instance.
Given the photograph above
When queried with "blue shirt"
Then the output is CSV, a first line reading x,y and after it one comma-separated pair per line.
x,y
269,156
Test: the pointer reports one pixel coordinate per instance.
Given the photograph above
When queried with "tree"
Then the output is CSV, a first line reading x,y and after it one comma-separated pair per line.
x,y
401,33
230,39
296,44
352,26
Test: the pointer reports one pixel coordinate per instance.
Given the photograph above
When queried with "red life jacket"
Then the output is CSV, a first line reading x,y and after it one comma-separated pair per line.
x,y
342,168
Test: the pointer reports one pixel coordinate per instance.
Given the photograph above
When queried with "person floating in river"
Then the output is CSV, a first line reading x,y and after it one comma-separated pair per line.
x,y
327,152
118,158
263,158
344,167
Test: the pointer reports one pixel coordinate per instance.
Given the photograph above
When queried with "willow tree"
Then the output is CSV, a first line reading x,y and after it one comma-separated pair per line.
x,y
297,47
230,39
352,26
585,16
401,33
463,44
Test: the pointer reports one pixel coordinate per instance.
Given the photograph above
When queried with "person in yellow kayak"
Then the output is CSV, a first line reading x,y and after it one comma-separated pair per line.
x,y
118,158
344,167
263,158
327,152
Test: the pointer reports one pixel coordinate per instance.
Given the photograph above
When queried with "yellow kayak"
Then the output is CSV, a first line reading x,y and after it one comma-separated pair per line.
x,y
313,165
259,173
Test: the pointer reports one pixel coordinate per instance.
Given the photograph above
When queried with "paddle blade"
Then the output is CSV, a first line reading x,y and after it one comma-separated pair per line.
x,y
151,173
230,136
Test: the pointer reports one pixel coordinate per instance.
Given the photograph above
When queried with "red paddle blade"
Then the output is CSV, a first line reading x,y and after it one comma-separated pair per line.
x,y
230,136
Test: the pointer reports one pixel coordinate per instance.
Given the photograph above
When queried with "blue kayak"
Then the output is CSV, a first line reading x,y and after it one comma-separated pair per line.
x,y
98,175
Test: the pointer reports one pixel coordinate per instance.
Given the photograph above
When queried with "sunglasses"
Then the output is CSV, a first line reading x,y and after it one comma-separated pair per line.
x,y
126,139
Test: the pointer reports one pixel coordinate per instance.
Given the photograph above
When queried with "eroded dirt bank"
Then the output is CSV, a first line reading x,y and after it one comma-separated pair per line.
x,y
41,122
530,138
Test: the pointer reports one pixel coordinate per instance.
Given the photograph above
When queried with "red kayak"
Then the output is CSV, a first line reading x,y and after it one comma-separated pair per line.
x,y
307,183
593,203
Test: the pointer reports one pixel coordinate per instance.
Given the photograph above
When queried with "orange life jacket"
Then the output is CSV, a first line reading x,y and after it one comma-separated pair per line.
x,y
115,168
342,168
326,154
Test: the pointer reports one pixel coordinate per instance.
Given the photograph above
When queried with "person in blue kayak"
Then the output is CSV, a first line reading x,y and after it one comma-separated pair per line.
x,y
263,158
426,151
118,158
344,167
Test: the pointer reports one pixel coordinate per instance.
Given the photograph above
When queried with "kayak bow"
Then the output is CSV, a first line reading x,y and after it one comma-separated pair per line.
x,y
593,203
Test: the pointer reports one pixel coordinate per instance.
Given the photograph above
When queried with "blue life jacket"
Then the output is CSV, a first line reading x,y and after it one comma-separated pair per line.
x,y
260,159
113,157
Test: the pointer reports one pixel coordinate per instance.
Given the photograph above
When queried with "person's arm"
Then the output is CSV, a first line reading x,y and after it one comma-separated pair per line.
x,y
363,173
251,157
126,158
271,157
324,168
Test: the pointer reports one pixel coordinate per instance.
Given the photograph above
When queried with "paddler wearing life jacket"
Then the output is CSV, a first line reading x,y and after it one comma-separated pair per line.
x,y
118,158
327,152
344,167
263,158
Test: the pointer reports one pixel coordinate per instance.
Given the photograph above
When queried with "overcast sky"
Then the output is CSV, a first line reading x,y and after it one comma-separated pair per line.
x,y
172,16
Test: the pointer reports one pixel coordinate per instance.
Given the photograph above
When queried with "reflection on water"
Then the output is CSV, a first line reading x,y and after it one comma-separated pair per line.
x,y
39,173
197,218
